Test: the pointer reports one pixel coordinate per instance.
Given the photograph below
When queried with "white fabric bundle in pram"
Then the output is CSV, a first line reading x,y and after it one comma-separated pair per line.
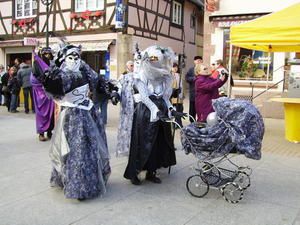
x,y
240,128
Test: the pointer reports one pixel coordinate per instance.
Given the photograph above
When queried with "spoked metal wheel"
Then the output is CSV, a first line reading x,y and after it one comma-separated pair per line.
x,y
210,173
243,180
196,186
245,169
232,192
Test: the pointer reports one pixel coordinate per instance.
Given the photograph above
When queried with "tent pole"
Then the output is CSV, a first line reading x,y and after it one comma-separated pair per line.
x,y
268,70
229,70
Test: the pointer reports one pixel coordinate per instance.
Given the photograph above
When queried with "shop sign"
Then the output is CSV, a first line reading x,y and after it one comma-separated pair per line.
x,y
119,14
230,23
31,41
262,60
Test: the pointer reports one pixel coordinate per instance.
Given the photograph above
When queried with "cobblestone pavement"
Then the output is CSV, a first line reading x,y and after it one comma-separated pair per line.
x,y
26,198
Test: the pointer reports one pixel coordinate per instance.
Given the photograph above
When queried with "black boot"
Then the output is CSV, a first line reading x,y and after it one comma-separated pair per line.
x,y
151,176
49,134
136,181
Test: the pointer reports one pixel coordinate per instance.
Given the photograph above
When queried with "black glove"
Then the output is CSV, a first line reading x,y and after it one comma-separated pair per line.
x,y
178,114
115,98
59,59
112,87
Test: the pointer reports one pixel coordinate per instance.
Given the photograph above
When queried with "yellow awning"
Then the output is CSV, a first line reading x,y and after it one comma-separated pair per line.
x,y
275,32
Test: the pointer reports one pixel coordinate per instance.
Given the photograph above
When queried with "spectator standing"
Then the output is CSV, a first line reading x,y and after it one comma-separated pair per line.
x,y
2,72
14,88
129,67
177,93
190,78
219,70
206,89
5,90
23,75
17,63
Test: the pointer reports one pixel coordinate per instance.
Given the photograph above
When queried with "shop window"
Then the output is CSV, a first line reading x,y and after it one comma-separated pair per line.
x,y
25,8
177,13
248,64
91,5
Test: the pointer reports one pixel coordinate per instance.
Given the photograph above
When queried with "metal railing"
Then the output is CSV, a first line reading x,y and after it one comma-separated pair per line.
x,y
264,91
268,87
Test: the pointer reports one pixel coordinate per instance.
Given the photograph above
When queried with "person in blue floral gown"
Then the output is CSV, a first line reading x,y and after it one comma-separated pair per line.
x,y
78,152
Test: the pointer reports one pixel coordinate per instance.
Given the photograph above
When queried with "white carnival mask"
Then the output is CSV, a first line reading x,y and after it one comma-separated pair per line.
x,y
72,62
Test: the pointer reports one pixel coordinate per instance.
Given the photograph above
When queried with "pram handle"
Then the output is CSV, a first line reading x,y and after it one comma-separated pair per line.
x,y
172,120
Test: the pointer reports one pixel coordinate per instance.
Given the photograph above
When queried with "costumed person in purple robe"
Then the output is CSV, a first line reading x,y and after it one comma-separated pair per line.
x,y
78,151
145,104
44,106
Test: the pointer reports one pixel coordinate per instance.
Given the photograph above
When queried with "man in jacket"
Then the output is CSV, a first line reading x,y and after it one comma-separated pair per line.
x,y
24,80
190,78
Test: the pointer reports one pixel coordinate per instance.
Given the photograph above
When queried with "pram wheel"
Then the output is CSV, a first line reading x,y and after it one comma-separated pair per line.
x,y
210,173
246,170
196,186
243,180
232,192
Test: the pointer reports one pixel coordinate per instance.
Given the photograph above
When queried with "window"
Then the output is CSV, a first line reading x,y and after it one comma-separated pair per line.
x,y
177,13
91,5
26,8
193,21
248,64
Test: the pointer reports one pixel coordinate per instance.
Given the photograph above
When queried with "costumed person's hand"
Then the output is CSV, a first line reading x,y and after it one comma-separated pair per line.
x,y
59,59
178,114
111,86
115,98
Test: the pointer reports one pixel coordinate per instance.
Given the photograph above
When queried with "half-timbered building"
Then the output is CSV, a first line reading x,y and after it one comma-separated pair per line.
x,y
105,44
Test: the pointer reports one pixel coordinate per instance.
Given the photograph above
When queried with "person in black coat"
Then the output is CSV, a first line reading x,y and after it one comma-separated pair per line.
x,y
190,78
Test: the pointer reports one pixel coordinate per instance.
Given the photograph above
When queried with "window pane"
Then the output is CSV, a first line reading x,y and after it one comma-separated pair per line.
x,y
100,4
27,6
80,5
19,6
91,5
34,4
177,13
27,13
19,13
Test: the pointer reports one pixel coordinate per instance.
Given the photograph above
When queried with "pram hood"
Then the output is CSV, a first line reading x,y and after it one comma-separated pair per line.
x,y
240,127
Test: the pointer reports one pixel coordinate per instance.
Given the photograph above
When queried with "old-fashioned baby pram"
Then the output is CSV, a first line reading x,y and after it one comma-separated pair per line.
x,y
239,130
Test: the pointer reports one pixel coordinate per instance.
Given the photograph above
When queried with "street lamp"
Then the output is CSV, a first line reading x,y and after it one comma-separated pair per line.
x,y
47,3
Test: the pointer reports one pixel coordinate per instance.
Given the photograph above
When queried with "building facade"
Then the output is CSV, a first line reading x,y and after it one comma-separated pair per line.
x,y
249,67
107,30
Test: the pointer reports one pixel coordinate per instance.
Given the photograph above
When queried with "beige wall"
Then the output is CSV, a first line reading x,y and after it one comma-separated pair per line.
x,y
2,57
6,10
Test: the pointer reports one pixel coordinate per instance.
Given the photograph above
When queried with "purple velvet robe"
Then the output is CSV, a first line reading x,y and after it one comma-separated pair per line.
x,y
44,106
206,89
